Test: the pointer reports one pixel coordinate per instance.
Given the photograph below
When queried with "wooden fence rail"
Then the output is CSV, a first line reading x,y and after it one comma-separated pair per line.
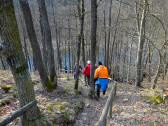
x,y
17,113
107,108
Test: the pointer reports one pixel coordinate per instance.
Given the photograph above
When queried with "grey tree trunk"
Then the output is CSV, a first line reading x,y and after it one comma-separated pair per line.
x,y
16,60
109,35
80,37
65,56
77,64
82,33
69,46
158,70
129,60
93,43
57,32
45,28
105,39
2,62
44,51
165,64
140,45
115,32
34,44
149,63
58,45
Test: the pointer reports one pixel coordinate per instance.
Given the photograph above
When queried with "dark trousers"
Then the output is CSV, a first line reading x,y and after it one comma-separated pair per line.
x,y
87,80
98,91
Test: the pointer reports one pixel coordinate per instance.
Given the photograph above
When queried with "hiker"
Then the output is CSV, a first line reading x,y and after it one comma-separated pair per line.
x,y
102,78
87,71
66,69
75,71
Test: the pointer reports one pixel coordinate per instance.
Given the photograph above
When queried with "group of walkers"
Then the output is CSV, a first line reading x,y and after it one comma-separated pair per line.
x,y
101,76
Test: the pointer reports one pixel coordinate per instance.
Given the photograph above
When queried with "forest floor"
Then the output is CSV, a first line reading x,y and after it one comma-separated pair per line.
x,y
130,107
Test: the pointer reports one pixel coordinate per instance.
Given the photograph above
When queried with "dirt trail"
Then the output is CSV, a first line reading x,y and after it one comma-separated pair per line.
x,y
92,110
130,109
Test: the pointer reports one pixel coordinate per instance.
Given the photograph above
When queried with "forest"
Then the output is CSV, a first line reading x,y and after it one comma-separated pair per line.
x,y
83,63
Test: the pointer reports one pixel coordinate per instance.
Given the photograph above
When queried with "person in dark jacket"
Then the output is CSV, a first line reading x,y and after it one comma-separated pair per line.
x,y
66,69
75,71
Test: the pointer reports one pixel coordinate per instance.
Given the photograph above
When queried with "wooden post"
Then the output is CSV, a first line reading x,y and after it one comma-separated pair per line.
x,y
103,118
110,109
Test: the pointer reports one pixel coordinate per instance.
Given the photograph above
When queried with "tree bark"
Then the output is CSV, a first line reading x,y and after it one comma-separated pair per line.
x,y
82,33
109,35
158,70
34,44
105,39
129,60
80,40
2,62
115,32
149,63
45,28
77,65
140,45
69,47
16,60
93,43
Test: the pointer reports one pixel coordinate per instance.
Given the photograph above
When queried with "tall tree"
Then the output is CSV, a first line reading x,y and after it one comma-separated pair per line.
x,y
11,48
93,43
69,46
109,35
45,28
57,32
34,44
141,29
105,37
82,19
80,39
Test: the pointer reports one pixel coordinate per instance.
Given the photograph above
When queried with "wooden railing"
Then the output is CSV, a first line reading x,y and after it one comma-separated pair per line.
x,y
18,113
107,110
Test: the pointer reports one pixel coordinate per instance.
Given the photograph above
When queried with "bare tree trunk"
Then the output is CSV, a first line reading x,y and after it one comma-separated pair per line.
x,y
116,28
165,64
45,28
77,65
166,69
58,46
2,62
109,36
105,38
57,31
93,43
129,60
44,50
16,60
81,19
149,63
65,56
158,71
24,37
34,43
140,45
69,48
82,33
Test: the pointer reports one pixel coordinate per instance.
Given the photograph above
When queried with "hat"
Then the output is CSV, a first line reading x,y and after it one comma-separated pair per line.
x,y
88,62
100,63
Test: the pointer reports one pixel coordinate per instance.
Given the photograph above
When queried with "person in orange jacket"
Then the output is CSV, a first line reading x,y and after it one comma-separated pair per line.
x,y
102,78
